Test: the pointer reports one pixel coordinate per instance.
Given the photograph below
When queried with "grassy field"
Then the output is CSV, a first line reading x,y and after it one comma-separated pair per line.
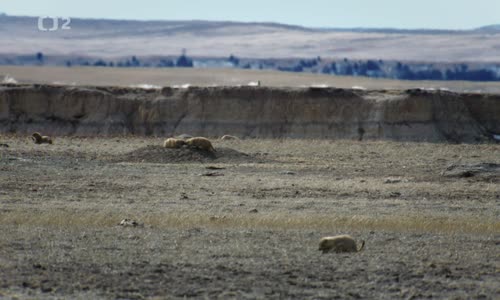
x,y
223,77
251,232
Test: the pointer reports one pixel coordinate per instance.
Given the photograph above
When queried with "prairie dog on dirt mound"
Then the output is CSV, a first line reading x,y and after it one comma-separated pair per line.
x,y
229,137
173,143
339,243
201,143
39,139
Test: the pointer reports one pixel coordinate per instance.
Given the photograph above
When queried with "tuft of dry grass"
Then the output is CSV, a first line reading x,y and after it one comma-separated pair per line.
x,y
275,221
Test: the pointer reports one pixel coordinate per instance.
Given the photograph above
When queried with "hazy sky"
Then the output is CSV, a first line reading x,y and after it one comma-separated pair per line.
x,y
450,14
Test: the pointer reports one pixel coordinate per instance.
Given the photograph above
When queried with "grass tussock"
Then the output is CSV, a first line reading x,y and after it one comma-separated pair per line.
x,y
396,223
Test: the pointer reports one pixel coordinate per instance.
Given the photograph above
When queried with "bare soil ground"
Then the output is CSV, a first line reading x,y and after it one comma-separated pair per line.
x,y
148,77
253,230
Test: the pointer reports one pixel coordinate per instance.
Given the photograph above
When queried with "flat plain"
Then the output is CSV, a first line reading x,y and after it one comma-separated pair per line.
x,y
246,221
182,77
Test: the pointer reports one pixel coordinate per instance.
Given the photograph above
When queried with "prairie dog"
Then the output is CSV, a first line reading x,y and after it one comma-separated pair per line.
x,y
39,139
339,243
201,143
173,143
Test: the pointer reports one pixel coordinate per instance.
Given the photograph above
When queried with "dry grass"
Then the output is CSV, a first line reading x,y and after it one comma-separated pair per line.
x,y
274,221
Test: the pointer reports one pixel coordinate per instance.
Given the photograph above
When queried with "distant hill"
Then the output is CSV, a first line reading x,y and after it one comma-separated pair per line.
x,y
490,28
120,38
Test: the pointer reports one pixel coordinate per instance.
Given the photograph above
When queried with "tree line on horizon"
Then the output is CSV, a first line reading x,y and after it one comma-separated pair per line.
x,y
343,67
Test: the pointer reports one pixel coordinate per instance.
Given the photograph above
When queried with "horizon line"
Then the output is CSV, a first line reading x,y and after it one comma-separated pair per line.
x,y
360,28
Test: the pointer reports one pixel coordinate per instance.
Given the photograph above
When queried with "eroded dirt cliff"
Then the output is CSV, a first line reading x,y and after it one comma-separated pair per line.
x,y
413,115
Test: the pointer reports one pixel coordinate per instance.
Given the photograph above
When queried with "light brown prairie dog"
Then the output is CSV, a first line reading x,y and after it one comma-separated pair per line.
x,y
39,139
201,143
339,243
173,143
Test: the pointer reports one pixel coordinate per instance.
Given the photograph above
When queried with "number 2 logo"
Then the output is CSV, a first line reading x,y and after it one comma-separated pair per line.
x,y
55,23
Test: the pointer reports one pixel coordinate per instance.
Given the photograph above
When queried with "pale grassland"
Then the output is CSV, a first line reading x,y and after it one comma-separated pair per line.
x,y
97,76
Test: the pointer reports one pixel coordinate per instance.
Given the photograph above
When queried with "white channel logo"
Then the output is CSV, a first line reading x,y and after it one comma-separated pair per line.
x,y
55,23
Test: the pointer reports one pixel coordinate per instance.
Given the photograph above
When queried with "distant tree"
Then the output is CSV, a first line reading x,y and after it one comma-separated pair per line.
x,y
100,63
308,63
234,60
135,62
348,70
165,63
39,56
372,65
333,67
326,69
406,73
481,75
296,68
450,75
68,63
184,61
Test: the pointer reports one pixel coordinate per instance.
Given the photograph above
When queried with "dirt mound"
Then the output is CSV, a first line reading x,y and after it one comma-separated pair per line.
x,y
159,154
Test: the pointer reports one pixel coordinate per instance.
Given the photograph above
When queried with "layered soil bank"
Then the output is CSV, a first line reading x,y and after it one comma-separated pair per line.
x,y
263,112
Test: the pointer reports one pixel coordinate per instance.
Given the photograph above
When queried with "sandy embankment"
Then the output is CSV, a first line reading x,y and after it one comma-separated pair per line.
x,y
263,112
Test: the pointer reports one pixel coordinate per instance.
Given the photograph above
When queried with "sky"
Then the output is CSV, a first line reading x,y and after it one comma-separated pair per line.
x,y
407,14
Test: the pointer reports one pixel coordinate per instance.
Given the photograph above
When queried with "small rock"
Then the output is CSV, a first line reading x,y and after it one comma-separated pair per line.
x,y
4,145
253,211
214,168
211,174
287,173
217,218
394,194
392,180
129,223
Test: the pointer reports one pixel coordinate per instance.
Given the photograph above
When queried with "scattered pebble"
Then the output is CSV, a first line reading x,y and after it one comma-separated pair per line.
x,y
214,168
129,223
211,174
392,180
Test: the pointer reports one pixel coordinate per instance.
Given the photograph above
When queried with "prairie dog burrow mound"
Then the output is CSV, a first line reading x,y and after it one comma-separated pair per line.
x,y
39,139
228,137
173,143
339,244
201,143
185,154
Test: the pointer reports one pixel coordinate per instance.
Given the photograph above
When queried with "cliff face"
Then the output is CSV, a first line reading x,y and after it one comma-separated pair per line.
x,y
413,115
